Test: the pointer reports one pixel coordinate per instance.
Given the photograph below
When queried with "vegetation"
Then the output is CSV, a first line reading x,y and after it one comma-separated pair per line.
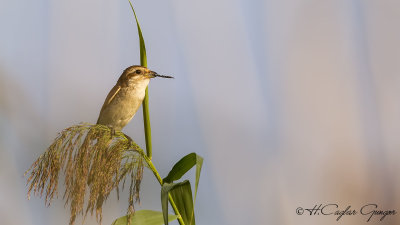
x,y
97,160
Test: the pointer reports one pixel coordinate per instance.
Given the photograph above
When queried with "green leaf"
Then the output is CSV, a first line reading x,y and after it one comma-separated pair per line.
x,y
143,58
145,104
184,165
144,217
166,187
181,193
182,196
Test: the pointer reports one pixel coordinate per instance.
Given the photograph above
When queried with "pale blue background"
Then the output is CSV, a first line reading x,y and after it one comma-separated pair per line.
x,y
291,103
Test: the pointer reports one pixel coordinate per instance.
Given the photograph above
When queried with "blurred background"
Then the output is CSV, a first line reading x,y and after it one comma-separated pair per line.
x,y
291,103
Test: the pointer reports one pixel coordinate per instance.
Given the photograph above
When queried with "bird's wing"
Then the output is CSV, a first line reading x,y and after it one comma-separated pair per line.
x,y
111,95
114,91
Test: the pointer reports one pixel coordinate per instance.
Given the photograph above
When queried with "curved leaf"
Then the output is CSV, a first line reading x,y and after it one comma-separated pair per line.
x,y
182,196
144,217
166,187
184,165
181,193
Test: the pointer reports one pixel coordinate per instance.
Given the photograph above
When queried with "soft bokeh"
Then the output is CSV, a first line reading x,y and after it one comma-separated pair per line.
x,y
291,103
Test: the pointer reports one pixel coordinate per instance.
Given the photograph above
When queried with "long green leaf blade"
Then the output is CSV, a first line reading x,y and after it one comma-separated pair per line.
x,y
143,57
145,104
181,193
182,196
166,187
144,217
184,165
199,164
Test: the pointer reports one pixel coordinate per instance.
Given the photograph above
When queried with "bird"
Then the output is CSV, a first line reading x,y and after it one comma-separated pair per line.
x,y
125,98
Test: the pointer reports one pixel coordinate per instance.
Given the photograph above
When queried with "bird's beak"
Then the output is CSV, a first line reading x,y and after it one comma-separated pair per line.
x,y
153,74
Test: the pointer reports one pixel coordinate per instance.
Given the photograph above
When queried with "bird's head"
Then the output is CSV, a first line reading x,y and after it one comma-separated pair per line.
x,y
134,74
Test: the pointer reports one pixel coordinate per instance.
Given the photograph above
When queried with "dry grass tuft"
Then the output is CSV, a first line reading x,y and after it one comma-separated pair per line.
x,y
93,160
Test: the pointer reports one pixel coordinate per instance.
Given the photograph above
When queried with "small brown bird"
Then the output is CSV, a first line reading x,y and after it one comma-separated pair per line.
x,y
125,97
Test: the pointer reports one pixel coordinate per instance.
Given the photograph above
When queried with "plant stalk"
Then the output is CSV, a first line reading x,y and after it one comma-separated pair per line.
x,y
160,180
145,103
146,120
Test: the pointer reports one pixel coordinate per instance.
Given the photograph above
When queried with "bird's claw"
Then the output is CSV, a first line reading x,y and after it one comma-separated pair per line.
x,y
112,132
129,138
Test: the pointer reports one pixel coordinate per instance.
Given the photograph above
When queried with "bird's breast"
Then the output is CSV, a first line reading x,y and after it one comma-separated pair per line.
x,y
123,106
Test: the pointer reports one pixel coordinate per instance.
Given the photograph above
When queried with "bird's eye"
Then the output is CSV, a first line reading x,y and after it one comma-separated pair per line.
x,y
138,71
